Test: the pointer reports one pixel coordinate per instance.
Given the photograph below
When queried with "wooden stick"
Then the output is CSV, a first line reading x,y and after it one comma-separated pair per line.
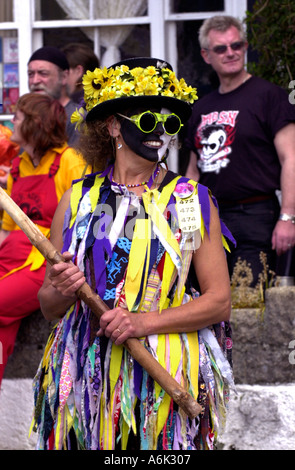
x,y
185,401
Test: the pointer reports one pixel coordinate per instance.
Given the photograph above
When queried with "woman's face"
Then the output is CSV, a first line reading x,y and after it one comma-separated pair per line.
x,y
151,146
17,121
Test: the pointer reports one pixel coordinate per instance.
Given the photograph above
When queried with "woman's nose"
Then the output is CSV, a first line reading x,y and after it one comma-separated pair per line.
x,y
159,129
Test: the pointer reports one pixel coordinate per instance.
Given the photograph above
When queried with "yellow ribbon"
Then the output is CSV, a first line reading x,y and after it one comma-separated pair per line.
x,y
115,365
75,198
138,261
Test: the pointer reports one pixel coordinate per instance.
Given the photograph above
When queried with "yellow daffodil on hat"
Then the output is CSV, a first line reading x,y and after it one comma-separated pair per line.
x,y
142,80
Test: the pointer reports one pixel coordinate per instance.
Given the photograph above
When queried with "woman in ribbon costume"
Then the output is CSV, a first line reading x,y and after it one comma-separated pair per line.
x,y
134,231
38,178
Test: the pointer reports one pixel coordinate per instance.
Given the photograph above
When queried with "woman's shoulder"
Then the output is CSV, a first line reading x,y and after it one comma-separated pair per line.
x,y
68,153
73,162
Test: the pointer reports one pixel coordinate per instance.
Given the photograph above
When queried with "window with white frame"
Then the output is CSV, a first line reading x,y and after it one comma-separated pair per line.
x,y
9,68
110,42
115,29
103,25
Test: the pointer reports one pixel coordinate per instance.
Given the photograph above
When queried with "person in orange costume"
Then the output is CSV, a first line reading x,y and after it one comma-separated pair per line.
x,y
38,179
8,151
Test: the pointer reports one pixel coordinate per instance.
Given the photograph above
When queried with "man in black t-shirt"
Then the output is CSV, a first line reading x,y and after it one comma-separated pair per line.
x,y
243,136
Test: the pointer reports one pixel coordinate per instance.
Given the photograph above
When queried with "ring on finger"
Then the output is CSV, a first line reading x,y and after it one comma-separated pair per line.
x,y
118,329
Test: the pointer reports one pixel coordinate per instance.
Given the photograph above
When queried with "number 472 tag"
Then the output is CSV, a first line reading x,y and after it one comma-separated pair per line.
x,y
189,213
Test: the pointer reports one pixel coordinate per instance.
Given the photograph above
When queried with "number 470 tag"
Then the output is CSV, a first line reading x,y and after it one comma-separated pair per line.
x,y
189,213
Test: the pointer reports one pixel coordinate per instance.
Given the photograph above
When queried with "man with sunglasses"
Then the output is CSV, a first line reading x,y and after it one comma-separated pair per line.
x,y
243,135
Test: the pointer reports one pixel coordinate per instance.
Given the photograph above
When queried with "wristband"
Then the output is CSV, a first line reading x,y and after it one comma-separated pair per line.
x,y
286,217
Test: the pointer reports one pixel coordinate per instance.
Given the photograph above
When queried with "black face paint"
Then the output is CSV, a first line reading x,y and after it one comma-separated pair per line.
x,y
152,146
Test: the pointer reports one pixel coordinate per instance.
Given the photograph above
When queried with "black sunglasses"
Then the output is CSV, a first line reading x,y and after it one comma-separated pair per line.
x,y
235,46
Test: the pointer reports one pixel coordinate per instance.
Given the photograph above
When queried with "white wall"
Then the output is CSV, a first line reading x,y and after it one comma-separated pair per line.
x,y
16,407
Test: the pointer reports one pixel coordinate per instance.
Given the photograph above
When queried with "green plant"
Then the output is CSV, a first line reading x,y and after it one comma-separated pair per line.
x,y
242,294
271,33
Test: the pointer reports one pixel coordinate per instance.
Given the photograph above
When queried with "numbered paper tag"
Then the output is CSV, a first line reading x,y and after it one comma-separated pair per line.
x,y
189,213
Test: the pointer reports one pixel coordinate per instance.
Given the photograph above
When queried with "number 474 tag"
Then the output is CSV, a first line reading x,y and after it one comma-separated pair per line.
x,y
189,213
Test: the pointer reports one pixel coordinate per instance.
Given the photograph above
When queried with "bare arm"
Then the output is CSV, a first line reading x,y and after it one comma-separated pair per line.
x,y
213,306
192,169
62,280
284,232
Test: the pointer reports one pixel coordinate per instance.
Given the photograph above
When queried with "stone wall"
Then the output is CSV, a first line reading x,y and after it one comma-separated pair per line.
x,y
261,340
28,350
261,414
16,395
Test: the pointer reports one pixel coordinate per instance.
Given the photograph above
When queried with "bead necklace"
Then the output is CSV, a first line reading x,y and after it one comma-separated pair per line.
x,y
154,176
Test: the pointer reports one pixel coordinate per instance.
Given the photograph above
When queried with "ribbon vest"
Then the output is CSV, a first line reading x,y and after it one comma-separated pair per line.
x,y
97,390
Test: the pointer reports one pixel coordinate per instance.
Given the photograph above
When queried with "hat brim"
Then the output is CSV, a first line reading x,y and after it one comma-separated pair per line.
x,y
107,108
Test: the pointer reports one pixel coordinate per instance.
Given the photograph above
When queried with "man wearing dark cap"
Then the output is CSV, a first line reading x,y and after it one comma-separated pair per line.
x,y
48,71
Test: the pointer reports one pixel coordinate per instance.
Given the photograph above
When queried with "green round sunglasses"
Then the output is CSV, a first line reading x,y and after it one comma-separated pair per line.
x,y
147,121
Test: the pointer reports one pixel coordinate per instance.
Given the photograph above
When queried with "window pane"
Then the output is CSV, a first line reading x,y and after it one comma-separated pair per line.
x,y
6,11
62,36
137,43
195,71
185,6
119,9
9,71
50,10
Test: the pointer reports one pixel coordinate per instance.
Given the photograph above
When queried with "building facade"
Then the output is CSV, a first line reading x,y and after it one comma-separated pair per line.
x,y
115,29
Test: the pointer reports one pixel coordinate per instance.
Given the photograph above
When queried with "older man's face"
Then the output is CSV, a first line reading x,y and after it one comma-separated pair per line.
x,y
47,78
231,62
